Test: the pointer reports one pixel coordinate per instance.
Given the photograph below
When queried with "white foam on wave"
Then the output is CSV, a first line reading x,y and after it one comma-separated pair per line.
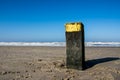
x,y
88,44
32,43
103,44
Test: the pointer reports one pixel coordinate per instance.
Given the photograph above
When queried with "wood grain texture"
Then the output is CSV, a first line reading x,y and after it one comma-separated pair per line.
x,y
75,49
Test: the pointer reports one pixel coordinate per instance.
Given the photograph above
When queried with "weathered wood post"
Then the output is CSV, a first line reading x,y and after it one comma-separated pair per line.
x,y
75,45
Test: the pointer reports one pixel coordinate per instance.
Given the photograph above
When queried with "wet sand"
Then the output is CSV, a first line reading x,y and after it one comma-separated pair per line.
x,y
48,63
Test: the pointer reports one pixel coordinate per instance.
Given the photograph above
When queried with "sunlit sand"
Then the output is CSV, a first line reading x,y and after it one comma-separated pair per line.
x,y
48,63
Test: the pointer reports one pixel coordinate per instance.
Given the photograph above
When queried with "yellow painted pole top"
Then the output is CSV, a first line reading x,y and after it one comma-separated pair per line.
x,y
73,27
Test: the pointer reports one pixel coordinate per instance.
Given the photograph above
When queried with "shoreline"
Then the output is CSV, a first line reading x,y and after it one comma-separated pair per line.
x,y
65,46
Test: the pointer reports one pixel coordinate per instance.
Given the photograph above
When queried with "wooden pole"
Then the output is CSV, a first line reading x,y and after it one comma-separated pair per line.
x,y
75,45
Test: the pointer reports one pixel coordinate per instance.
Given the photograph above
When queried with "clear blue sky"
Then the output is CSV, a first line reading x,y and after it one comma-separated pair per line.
x,y
43,20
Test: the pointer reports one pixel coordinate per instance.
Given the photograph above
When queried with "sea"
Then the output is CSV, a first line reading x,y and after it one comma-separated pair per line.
x,y
62,44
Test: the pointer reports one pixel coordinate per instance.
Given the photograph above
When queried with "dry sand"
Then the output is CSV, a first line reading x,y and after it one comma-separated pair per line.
x,y
48,63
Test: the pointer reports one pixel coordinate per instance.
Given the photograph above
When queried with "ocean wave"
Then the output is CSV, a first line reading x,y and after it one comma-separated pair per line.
x,y
32,43
87,44
102,44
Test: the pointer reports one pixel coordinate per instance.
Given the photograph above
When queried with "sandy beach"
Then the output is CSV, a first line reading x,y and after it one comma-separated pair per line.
x,y
48,63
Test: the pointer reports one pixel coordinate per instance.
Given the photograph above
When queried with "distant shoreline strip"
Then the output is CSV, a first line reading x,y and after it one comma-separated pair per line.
x,y
87,44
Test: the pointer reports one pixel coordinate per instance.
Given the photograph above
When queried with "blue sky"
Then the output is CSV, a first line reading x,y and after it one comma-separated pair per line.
x,y
44,20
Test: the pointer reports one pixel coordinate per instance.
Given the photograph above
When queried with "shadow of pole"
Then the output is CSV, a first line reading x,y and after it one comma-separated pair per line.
x,y
91,63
